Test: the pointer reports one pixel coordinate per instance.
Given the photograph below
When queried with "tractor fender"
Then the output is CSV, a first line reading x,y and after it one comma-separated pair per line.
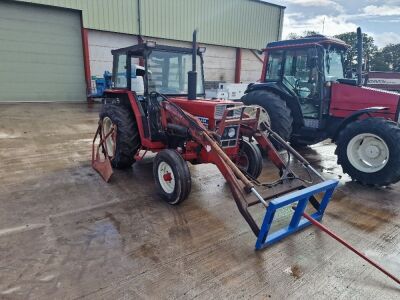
x,y
270,86
292,100
354,116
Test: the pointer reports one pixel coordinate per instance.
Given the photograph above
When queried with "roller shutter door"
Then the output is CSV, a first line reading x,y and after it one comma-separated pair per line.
x,y
41,56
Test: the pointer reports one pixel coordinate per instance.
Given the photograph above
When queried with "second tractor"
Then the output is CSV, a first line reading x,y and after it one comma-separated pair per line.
x,y
304,90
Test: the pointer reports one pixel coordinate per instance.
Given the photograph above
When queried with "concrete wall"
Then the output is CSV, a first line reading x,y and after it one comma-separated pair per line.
x,y
251,66
100,45
219,61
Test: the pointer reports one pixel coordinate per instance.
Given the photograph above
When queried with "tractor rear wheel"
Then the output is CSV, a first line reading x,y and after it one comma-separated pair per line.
x,y
249,159
279,114
127,140
172,176
368,150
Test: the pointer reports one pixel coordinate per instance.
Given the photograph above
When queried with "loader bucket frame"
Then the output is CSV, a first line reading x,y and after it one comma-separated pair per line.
x,y
299,199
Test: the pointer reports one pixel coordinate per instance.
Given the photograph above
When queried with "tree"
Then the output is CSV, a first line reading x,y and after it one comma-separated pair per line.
x,y
379,63
391,55
369,53
293,36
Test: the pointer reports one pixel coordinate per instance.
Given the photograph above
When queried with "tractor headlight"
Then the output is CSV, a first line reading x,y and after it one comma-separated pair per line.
x,y
231,132
229,136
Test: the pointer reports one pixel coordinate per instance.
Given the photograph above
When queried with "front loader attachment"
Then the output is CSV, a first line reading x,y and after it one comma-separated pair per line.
x,y
290,189
298,200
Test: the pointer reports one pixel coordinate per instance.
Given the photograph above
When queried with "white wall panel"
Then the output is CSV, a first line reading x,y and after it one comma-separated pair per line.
x,y
251,66
219,61
100,45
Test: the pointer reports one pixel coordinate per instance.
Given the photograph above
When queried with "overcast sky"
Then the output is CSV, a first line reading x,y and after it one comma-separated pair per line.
x,y
379,18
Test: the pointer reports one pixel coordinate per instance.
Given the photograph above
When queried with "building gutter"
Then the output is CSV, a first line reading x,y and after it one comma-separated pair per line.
x,y
139,19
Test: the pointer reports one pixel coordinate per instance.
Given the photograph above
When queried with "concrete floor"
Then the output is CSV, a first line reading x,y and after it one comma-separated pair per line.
x,y
64,233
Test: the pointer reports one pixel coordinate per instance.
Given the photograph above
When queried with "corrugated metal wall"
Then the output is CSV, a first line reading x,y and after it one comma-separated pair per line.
x,y
235,23
108,15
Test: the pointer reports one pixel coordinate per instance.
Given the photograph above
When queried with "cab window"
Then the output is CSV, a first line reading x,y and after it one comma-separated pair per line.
x,y
274,67
119,72
302,78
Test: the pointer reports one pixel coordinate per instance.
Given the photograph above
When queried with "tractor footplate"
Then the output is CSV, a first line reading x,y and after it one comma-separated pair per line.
x,y
299,199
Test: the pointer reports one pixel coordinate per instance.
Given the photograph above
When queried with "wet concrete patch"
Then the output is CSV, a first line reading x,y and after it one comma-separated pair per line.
x,y
64,233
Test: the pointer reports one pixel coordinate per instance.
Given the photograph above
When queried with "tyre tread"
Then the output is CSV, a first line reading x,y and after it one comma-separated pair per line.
x,y
279,112
128,139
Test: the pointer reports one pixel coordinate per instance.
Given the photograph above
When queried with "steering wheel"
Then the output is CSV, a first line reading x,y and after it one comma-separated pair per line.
x,y
302,88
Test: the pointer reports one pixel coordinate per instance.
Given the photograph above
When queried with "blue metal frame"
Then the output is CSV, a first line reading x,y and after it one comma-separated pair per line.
x,y
302,197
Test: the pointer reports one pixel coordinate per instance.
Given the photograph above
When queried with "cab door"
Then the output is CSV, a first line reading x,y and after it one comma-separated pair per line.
x,y
303,78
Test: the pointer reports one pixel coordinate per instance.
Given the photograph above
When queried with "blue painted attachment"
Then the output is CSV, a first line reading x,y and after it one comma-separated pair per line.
x,y
301,199
101,84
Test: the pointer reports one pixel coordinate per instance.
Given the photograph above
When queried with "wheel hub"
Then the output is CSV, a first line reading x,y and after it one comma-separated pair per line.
x,y
368,152
372,151
263,118
166,177
110,141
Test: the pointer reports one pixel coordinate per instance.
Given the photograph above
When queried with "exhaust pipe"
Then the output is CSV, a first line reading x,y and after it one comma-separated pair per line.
x,y
359,56
192,75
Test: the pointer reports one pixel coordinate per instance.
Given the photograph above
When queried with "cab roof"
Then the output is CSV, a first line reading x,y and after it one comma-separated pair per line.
x,y
139,49
317,39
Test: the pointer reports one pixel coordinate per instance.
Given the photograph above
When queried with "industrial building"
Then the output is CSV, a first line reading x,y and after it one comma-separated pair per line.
x,y
51,48
156,193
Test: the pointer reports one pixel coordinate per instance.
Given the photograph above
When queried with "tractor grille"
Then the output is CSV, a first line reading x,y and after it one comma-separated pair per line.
x,y
220,109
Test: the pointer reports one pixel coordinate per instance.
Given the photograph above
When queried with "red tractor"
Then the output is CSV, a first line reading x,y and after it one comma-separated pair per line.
x,y
161,108
304,90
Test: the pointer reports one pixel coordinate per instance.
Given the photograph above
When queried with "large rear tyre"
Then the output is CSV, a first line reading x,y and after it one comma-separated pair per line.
x,y
127,140
368,150
279,114
172,176
249,159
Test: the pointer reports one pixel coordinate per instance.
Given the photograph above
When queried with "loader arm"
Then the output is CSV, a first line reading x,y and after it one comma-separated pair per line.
x,y
245,191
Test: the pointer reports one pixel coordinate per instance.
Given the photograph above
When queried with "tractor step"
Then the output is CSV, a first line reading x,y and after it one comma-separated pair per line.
x,y
299,199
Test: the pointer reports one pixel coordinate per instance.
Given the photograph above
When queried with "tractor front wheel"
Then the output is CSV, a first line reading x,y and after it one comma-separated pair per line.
x,y
172,176
368,150
249,159
122,148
